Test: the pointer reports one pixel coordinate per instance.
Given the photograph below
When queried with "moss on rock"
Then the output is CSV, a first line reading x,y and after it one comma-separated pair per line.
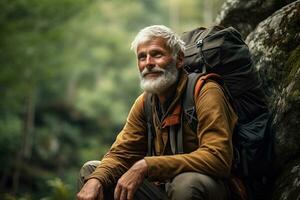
x,y
292,67
292,64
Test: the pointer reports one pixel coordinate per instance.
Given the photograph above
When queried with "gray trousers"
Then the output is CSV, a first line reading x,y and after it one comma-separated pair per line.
x,y
185,186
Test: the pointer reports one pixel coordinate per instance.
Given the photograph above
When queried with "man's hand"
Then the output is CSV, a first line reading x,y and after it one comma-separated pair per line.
x,y
130,181
91,190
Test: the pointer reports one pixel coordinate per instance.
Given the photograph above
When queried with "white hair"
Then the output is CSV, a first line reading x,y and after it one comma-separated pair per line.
x,y
159,31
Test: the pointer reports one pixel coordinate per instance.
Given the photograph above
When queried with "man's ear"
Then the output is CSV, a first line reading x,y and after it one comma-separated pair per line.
x,y
179,59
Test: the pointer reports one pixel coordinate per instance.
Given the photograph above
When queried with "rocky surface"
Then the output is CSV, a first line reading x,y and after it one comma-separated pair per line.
x,y
244,15
275,46
287,186
274,40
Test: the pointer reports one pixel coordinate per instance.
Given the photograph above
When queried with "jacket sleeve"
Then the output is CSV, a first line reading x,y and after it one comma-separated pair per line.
x,y
129,147
216,121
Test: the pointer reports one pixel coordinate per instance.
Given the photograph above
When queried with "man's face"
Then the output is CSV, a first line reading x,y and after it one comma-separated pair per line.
x,y
157,66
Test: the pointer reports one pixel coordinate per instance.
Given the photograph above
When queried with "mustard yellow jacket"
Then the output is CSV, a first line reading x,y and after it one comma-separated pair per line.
x,y
209,151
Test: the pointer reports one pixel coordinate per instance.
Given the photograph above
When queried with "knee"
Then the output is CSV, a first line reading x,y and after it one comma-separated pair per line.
x,y
88,167
191,185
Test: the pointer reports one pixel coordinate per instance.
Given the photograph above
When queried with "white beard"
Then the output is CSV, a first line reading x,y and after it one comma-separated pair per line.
x,y
160,84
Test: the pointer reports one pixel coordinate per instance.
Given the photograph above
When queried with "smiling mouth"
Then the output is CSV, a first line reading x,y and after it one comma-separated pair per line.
x,y
152,74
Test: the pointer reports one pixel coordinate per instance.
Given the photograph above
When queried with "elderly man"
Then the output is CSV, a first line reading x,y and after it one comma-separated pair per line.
x,y
127,172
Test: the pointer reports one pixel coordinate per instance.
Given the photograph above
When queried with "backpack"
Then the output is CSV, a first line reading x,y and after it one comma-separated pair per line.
x,y
220,54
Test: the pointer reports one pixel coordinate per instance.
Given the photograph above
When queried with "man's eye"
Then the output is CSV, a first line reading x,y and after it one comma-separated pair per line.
x,y
158,55
141,58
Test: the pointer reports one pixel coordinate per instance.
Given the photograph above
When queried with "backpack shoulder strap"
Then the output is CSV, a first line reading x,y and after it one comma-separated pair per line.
x,y
188,100
148,114
189,110
195,83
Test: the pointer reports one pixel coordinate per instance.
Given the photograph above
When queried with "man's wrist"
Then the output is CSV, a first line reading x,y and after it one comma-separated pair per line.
x,y
95,182
142,167
146,169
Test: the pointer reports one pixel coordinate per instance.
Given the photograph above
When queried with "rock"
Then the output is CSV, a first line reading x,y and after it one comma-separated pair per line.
x,y
272,32
275,46
244,15
288,183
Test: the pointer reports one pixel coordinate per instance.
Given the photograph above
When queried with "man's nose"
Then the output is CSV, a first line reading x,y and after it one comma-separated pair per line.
x,y
150,62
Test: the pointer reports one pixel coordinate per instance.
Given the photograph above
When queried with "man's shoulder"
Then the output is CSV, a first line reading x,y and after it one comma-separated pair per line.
x,y
211,93
140,99
210,85
139,102
137,109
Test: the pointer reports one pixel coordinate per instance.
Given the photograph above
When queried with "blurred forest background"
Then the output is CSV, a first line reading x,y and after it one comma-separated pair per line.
x,y
67,81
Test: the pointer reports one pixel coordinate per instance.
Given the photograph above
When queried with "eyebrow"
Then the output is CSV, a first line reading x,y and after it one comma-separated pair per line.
x,y
141,54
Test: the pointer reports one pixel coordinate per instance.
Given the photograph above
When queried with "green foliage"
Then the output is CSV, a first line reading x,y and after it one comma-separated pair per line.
x,y
11,197
60,191
55,140
10,128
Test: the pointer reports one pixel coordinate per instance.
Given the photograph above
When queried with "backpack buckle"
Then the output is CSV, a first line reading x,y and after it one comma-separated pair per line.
x,y
190,114
199,43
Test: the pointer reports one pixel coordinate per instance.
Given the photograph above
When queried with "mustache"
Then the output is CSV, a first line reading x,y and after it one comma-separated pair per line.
x,y
155,69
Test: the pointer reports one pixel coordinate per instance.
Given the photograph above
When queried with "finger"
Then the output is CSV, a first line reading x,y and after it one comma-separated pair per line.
x,y
130,194
123,195
79,196
100,195
117,192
